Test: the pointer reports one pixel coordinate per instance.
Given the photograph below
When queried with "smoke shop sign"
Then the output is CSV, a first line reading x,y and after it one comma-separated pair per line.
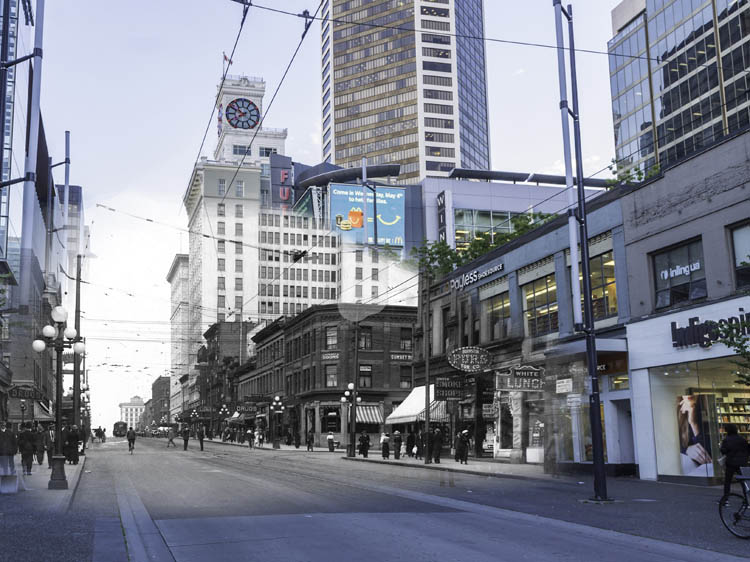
x,y
463,281
470,359
707,332
448,388
524,378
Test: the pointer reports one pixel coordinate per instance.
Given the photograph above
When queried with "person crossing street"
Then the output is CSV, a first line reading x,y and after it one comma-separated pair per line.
x,y
170,438
131,439
201,434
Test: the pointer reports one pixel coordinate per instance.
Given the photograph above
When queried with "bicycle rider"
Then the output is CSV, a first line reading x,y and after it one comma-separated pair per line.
x,y
131,439
736,451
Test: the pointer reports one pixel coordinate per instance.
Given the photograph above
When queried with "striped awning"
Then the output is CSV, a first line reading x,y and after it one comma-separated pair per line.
x,y
438,412
369,414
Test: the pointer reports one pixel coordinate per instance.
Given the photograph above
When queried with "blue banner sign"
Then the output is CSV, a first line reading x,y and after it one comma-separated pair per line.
x,y
348,213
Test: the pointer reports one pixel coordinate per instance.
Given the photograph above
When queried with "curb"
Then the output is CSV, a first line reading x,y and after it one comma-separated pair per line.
x,y
432,466
244,446
66,508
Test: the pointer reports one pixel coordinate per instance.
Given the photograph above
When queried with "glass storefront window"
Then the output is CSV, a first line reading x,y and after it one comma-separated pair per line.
x,y
619,382
680,274
741,244
692,403
540,306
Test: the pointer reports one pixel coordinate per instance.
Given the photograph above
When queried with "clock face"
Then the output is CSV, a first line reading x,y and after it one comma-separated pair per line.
x,y
241,113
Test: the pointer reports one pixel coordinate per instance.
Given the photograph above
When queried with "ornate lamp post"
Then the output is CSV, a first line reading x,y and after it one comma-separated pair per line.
x,y
350,398
276,408
57,336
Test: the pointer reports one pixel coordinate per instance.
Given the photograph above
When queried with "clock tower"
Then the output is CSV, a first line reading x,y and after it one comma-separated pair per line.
x,y
239,112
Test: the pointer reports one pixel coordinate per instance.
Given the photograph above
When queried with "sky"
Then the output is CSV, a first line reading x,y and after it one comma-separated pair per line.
x,y
135,84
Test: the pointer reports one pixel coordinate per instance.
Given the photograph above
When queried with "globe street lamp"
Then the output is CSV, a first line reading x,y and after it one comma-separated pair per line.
x,y
56,336
350,398
276,408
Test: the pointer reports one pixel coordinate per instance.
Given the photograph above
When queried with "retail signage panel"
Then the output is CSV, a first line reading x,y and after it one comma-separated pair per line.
x,y
282,182
564,386
25,392
470,359
463,281
348,213
524,378
449,388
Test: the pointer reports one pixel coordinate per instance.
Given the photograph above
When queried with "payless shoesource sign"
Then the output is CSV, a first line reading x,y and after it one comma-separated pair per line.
x,y
463,281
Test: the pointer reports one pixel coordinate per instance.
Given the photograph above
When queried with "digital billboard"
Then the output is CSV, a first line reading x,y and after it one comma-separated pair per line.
x,y
347,212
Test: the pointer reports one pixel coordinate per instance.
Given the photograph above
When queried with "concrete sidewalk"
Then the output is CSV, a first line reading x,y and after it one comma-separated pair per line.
x,y
33,493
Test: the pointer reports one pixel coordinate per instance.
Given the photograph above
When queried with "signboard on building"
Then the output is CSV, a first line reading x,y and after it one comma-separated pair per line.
x,y
471,277
524,378
25,393
488,410
441,217
282,182
563,386
349,214
401,356
470,359
449,388
330,356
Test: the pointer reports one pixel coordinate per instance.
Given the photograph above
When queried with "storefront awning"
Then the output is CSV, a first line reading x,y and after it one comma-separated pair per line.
x,y
42,413
438,412
369,414
239,419
412,409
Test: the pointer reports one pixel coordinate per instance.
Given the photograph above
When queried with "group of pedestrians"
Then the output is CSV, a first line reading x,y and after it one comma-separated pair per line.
x,y
33,443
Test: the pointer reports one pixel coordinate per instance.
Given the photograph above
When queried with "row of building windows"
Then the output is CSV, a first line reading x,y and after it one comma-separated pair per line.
x,y
391,58
221,228
221,247
381,130
221,265
239,210
365,107
395,113
398,43
386,74
221,284
394,86
377,146
239,188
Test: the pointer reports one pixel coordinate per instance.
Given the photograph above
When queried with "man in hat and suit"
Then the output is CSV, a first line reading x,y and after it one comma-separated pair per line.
x,y
397,440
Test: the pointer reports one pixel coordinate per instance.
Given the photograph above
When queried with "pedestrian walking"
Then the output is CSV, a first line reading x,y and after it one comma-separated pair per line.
x,y
462,447
429,437
330,439
8,450
364,444
385,445
201,435
410,444
39,446
130,435
397,441
170,438
185,437
419,445
310,440
250,437
26,446
437,445
296,440
735,451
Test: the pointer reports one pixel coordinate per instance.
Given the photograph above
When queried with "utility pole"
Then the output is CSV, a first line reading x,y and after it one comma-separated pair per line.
x,y
426,334
587,325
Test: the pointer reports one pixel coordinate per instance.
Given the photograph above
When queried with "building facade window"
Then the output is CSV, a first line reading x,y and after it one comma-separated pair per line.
x,y
238,284
221,246
222,188
603,286
680,274
240,188
221,264
221,228
332,380
405,343
239,211
496,311
365,376
238,266
741,246
365,337
221,283
220,210
540,306
332,338
238,229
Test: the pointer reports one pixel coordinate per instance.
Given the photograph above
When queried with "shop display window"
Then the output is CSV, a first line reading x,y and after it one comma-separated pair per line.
x,y
619,382
603,286
540,306
741,245
680,274
692,403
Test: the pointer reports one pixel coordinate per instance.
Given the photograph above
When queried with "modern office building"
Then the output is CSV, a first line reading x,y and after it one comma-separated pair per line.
x,y
399,86
678,78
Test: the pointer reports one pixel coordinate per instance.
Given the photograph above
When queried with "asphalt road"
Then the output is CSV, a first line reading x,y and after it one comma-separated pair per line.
x,y
230,503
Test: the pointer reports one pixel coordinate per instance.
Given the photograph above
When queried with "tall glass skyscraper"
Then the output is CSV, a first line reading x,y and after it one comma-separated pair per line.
x,y
679,77
398,85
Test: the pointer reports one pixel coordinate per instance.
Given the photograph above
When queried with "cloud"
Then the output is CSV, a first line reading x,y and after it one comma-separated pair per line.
x,y
519,71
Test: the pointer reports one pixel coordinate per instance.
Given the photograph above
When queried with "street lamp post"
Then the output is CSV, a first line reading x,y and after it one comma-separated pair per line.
x,y
276,408
350,397
57,336
194,418
223,412
23,413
